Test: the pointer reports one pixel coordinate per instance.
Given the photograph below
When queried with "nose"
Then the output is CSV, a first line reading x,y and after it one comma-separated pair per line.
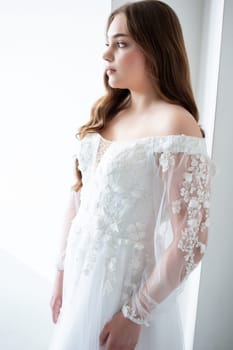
x,y
108,55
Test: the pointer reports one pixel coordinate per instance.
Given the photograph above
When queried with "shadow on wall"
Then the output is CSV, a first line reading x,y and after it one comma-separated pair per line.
x,y
25,321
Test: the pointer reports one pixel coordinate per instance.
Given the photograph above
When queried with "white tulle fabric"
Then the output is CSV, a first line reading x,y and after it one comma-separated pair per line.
x,y
70,212
132,236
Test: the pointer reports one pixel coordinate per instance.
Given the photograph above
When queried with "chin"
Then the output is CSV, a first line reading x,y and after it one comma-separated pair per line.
x,y
116,85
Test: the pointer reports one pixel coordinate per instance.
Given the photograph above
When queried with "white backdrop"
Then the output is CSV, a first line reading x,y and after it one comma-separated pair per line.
x,y
50,74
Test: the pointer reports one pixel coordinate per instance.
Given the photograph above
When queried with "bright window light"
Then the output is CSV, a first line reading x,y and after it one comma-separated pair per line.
x,y
51,73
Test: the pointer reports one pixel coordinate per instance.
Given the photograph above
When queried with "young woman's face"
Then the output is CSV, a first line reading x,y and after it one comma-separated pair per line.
x,y
124,61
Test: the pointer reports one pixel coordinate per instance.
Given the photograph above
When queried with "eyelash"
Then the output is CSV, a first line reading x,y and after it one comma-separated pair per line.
x,y
119,43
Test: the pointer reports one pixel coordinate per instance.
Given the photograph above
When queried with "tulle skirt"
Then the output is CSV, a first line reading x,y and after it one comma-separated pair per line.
x,y
86,309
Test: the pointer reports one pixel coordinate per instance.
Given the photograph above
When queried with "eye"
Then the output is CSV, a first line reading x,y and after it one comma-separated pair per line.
x,y
121,44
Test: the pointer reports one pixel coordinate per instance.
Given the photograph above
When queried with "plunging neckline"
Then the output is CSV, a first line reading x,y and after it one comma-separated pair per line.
x,y
157,141
111,143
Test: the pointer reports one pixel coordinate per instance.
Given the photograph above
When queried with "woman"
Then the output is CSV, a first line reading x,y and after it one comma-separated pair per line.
x,y
138,220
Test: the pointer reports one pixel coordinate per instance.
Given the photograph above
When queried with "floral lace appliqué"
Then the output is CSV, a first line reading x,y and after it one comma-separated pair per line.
x,y
194,201
134,237
195,197
166,160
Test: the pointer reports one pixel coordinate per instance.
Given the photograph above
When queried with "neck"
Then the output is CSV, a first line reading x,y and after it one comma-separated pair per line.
x,y
143,101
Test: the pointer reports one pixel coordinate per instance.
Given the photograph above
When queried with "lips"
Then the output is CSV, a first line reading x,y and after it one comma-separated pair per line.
x,y
110,70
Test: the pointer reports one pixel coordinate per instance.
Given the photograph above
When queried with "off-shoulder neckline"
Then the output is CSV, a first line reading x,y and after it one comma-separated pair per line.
x,y
148,138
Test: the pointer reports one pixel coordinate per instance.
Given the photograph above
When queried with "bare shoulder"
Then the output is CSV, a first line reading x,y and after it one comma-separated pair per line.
x,y
174,119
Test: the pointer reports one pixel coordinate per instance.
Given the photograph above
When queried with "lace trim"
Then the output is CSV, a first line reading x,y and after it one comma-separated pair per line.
x,y
167,143
59,265
180,143
132,315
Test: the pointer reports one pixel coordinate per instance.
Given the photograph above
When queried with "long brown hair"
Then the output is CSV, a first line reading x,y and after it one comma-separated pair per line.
x,y
156,29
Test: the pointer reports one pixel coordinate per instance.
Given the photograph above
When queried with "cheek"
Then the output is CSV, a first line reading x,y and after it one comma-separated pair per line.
x,y
134,60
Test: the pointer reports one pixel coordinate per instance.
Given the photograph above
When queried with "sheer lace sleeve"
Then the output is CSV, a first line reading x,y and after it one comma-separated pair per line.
x,y
183,216
70,212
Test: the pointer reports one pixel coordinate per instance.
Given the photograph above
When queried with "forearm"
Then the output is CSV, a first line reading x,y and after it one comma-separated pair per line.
x,y
71,211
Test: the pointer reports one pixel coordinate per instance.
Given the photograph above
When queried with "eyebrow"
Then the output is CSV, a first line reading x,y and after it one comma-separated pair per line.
x,y
118,34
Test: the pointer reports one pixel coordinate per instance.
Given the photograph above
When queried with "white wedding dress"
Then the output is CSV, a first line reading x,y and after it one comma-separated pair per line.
x,y
134,232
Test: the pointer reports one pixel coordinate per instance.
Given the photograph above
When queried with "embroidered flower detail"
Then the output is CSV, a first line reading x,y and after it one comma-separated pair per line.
x,y
194,162
202,247
195,195
166,160
188,177
108,287
193,203
136,231
112,264
176,206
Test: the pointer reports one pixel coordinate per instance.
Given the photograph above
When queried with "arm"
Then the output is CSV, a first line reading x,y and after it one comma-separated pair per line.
x,y
184,208
56,298
70,212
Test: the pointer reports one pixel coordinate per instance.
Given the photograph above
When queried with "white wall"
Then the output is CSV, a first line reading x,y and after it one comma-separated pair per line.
x,y
215,309
50,74
209,64
25,322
